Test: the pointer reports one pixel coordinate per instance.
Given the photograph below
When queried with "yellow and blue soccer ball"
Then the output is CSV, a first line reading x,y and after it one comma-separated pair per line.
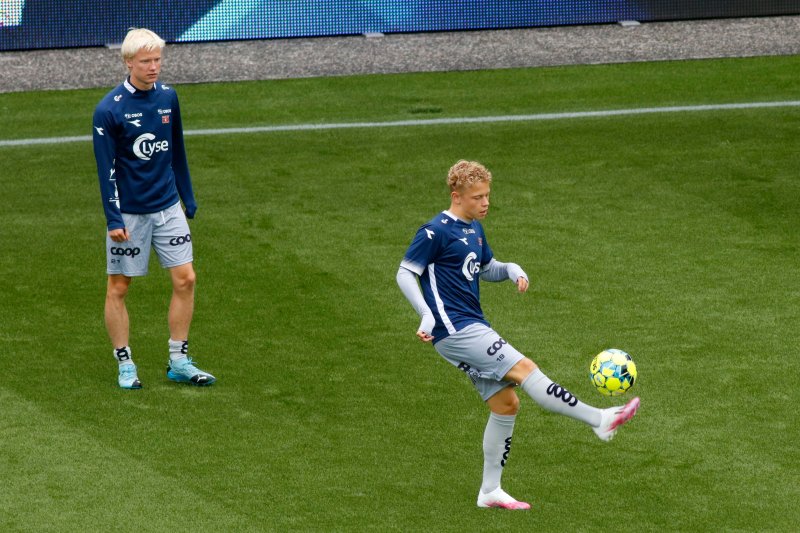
x,y
612,372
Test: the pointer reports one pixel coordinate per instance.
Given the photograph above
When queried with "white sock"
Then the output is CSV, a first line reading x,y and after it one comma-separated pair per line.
x,y
178,349
123,355
496,446
557,399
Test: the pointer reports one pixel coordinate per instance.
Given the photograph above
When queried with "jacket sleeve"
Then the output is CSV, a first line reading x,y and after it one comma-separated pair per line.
x,y
180,166
104,154
407,280
497,271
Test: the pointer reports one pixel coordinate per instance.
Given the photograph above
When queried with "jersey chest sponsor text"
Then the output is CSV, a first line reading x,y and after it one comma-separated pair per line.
x,y
467,255
146,145
470,267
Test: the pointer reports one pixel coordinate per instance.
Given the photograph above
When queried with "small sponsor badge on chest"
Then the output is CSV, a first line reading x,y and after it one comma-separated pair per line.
x,y
165,119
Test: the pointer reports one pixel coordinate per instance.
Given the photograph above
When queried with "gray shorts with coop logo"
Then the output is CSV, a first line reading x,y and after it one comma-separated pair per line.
x,y
167,232
483,355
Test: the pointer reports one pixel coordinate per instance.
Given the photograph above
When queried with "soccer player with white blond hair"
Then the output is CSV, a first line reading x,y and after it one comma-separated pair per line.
x,y
439,275
144,176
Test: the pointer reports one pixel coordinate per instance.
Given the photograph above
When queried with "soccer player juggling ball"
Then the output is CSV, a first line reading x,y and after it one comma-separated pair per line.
x,y
440,276
141,163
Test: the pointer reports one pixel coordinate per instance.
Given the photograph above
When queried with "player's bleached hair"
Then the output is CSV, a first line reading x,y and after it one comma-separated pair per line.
x,y
465,174
140,39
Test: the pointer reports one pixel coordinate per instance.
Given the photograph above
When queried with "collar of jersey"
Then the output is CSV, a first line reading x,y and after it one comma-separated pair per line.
x,y
451,215
133,90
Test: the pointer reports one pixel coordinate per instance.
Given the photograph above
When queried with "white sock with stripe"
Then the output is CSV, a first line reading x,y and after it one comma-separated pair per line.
x,y
123,355
557,399
178,349
496,446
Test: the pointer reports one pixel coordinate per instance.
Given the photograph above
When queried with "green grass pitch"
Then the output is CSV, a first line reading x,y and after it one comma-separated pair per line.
x,y
671,236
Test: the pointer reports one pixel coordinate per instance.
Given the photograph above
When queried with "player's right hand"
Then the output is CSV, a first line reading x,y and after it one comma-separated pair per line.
x,y
119,235
522,284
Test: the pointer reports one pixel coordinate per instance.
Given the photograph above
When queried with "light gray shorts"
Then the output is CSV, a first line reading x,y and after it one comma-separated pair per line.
x,y
482,354
167,232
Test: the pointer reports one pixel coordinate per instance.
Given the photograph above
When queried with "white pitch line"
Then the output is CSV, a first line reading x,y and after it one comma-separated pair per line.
x,y
437,121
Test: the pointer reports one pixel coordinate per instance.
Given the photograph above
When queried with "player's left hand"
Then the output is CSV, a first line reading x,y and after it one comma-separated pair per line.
x,y
522,284
424,337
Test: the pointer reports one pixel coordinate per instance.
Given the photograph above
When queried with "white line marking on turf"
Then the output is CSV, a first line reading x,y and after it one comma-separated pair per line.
x,y
437,121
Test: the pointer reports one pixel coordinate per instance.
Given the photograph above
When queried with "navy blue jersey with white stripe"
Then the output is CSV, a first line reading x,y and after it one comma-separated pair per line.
x,y
447,254
141,159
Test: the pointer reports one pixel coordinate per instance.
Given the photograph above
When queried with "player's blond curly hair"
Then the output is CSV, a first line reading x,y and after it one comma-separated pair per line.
x,y
465,174
140,39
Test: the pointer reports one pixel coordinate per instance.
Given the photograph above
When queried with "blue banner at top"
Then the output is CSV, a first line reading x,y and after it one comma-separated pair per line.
x,y
31,24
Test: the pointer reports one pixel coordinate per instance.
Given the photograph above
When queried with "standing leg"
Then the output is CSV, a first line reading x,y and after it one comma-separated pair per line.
x,y
118,326
116,313
503,408
181,306
181,310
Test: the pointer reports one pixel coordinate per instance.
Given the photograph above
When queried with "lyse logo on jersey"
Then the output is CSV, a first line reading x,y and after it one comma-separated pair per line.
x,y
470,267
144,149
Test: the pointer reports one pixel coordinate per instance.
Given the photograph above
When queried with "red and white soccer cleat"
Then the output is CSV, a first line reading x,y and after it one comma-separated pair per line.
x,y
499,498
614,417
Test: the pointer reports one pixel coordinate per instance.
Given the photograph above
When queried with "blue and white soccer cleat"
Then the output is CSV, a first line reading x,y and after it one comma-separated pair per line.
x,y
128,378
184,371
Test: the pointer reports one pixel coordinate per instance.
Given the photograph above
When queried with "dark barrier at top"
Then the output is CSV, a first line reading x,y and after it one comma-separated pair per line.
x,y
30,24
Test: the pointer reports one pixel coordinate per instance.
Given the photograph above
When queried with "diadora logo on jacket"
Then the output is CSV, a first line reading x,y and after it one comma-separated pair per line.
x,y
145,146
